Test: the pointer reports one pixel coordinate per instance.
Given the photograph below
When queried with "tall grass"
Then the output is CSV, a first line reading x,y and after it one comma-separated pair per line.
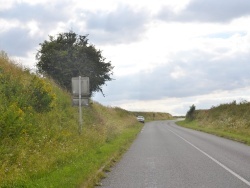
x,y
39,141
229,120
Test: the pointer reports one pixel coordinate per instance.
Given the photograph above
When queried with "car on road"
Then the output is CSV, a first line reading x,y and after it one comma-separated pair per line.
x,y
141,119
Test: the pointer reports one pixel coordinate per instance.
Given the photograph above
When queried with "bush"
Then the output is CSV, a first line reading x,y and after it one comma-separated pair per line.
x,y
190,113
13,119
41,96
21,95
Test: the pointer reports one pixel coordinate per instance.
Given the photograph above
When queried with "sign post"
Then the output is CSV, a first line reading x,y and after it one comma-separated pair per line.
x,y
80,105
80,91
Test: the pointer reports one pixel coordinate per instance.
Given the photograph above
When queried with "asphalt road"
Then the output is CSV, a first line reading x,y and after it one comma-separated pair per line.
x,y
166,155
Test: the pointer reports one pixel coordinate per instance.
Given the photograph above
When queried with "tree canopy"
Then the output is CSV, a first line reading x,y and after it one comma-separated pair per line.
x,y
70,55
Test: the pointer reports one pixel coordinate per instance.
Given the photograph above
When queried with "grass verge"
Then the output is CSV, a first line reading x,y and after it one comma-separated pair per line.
x,y
39,141
84,168
232,134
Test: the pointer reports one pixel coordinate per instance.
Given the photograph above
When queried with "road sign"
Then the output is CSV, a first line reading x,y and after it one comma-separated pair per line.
x,y
81,93
83,85
84,102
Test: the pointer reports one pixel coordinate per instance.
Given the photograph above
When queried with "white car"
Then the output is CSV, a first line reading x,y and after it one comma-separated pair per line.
x,y
141,119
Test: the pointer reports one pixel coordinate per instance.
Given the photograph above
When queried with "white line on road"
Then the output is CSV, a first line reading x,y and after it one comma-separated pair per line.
x,y
213,159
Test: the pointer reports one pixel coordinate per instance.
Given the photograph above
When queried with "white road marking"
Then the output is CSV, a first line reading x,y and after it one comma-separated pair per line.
x,y
213,159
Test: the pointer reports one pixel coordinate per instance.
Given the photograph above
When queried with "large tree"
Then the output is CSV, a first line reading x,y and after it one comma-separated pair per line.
x,y
70,55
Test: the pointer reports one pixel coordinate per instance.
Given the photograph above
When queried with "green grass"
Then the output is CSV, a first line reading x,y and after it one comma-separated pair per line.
x,y
237,135
82,170
230,120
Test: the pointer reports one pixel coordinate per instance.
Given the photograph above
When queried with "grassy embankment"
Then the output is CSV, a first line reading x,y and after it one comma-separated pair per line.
x,y
226,120
39,141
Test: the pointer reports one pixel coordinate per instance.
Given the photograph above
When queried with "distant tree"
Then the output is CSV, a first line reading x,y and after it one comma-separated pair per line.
x,y
3,54
70,55
190,113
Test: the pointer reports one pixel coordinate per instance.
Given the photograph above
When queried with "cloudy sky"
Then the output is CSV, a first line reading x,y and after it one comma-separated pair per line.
x,y
167,54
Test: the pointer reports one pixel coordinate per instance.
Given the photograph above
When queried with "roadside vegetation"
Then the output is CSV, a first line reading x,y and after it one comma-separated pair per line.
x,y
40,145
229,120
39,141
150,116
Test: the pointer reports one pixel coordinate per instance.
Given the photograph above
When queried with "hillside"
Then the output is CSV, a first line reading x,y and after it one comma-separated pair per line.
x,y
229,120
40,145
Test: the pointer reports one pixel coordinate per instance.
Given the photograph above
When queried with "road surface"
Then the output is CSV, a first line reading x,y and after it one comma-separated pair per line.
x,y
165,155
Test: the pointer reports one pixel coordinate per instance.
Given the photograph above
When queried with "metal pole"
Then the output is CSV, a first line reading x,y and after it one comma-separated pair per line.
x,y
80,106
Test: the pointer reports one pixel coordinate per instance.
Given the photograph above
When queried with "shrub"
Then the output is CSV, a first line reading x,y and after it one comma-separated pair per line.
x,y
190,113
42,99
21,95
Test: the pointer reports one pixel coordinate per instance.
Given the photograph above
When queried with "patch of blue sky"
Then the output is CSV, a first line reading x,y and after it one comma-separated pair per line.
x,y
225,35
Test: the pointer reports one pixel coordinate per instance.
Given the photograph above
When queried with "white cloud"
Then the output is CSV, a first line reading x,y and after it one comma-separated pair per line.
x,y
179,106
6,25
34,29
178,73
167,54
6,4
208,11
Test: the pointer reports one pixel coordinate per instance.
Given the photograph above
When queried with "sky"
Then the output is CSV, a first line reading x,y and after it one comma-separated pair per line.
x,y
167,55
